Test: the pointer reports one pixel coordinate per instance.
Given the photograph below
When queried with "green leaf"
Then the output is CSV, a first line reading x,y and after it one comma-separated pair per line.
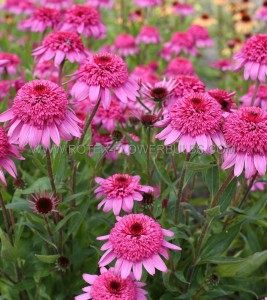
x,y
40,184
8,252
198,166
219,243
66,219
213,212
212,180
245,267
164,175
48,259
227,195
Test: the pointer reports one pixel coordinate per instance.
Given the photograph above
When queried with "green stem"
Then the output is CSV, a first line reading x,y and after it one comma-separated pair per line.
x,y
50,172
180,189
148,154
6,219
60,72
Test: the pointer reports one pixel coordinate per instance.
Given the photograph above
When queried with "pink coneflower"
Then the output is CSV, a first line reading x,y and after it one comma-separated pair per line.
x,y
193,120
42,19
40,112
7,150
149,35
9,64
144,74
253,57
182,9
224,98
5,87
56,4
201,36
99,75
179,66
84,20
148,3
46,70
19,7
182,41
135,241
223,64
101,3
261,13
61,46
109,118
260,99
166,52
160,91
109,285
43,203
120,191
125,45
245,132
186,85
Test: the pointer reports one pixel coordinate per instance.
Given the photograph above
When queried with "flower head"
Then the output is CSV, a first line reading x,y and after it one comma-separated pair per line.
x,y
201,36
43,203
182,9
19,7
261,13
224,98
179,66
84,20
101,3
148,3
135,241
260,99
120,191
223,64
205,20
125,45
245,132
56,4
160,91
194,119
110,286
40,112
149,35
253,57
182,41
7,150
99,75
41,20
61,46
9,63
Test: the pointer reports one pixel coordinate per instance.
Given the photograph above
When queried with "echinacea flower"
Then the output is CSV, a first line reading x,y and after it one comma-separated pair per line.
x,y
182,41
245,25
179,66
19,7
260,99
159,91
44,203
149,35
84,20
261,13
61,46
42,19
110,286
182,9
101,74
253,57
245,132
144,74
148,3
119,192
40,112
46,70
56,4
101,3
125,45
205,20
109,118
193,120
223,64
10,62
224,98
201,36
7,150
135,241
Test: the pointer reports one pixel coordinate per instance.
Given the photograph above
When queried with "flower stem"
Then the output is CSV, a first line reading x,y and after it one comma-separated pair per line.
x,y
60,72
148,154
180,189
88,123
207,224
6,219
50,172
257,85
49,230
138,99
248,190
